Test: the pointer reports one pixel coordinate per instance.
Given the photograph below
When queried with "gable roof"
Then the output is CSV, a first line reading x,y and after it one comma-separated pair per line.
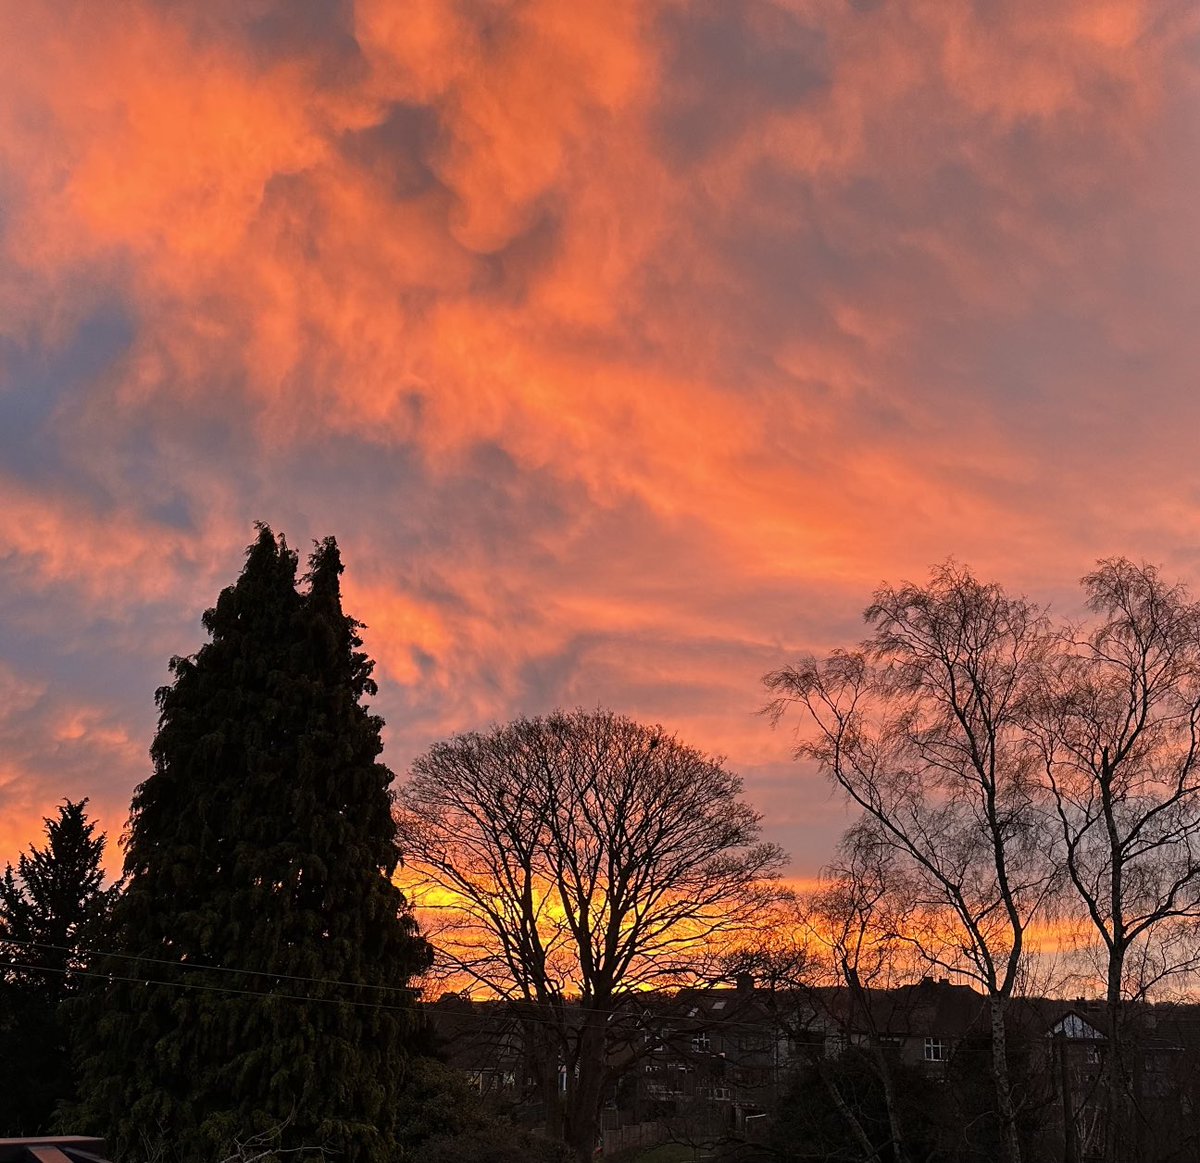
x,y
1073,1025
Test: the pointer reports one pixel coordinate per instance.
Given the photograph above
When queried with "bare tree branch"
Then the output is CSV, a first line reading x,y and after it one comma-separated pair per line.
x,y
924,729
581,857
1118,736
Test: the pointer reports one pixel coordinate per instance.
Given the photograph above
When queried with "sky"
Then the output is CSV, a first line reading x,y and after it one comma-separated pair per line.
x,y
626,347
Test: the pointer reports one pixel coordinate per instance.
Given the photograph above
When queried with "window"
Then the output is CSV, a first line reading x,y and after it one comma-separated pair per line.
x,y
491,1080
935,1050
701,1042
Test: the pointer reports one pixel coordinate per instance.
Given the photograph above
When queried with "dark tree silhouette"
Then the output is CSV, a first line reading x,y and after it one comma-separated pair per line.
x,y
53,911
261,987
581,856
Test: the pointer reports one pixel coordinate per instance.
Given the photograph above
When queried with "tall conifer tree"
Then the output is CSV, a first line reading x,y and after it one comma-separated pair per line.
x,y
273,953
53,910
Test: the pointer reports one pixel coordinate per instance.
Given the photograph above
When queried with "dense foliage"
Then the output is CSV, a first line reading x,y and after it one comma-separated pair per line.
x,y
53,910
260,985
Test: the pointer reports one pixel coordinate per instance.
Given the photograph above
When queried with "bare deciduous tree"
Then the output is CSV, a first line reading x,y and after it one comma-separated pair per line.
x,y
1119,730
578,857
852,915
924,728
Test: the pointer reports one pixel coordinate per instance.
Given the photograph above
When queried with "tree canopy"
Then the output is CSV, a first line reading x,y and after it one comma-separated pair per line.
x,y
581,855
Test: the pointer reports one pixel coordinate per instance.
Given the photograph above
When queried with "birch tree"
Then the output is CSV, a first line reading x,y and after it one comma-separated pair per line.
x,y
924,728
1119,731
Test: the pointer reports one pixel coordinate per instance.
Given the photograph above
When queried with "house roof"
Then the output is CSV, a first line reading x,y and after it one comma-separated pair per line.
x,y
1076,1027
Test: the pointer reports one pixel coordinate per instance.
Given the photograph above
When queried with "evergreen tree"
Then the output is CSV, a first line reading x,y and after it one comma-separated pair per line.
x,y
53,909
274,952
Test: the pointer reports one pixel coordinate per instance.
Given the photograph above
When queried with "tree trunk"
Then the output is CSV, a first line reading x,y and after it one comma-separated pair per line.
x,y
585,1091
1115,1070
899,1151
883,1066
869,1150
1004,1102
543,1048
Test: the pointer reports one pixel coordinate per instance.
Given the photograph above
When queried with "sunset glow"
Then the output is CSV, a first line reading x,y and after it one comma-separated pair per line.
x,y
625,347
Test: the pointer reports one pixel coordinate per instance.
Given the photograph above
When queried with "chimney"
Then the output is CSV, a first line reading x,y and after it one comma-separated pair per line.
x,y
745,983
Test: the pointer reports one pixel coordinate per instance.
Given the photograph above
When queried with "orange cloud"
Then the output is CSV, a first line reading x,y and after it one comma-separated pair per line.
x,y
626,347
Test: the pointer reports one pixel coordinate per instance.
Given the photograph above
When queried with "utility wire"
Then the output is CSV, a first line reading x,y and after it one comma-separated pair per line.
x,y
79,949
148,981
94,952
706,1023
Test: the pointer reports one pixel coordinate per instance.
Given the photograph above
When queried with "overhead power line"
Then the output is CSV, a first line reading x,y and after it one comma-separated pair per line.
x,y
656,1021
91,952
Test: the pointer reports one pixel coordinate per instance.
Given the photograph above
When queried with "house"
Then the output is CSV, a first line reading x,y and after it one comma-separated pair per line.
x,y
701,1064
1162,1054
485,1042
718,1055
924,1023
